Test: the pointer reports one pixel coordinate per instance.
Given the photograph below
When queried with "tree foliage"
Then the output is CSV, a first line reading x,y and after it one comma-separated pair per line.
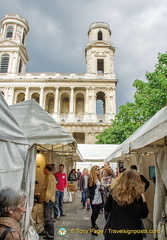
x,y
149,98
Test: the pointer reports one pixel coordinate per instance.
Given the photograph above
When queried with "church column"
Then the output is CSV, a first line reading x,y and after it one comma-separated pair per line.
x,y
86,138
27,93
10,95
107,99
93,111
89,101
72,101
56,103
41,97
6,93
114,100
44,101
90,138
13,65
86,110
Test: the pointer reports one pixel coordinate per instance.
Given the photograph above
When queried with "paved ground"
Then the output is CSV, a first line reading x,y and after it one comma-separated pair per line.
x,y
77,223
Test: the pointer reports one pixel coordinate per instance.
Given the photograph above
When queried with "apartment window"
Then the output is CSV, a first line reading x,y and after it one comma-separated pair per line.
x,y
4,63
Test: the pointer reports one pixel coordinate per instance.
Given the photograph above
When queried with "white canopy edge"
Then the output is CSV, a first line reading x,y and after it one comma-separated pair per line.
x,y
153,130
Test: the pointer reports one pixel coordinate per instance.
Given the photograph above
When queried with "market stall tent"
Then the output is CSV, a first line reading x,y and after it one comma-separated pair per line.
x,y
96,152
13,148
151,138
41,130
39,126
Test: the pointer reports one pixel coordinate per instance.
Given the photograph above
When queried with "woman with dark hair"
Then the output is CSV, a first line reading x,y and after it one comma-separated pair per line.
x,y
72,176
107,176
84,188
12,208
127,206
94,193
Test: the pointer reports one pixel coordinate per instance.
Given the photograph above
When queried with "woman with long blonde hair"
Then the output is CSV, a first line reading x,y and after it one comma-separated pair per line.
x,y
94,193
127,206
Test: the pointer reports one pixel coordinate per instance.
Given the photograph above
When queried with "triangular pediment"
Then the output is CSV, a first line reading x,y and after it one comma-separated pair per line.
x,y
7,42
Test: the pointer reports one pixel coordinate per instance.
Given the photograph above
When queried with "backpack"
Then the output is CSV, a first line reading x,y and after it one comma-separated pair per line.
x,y
5,232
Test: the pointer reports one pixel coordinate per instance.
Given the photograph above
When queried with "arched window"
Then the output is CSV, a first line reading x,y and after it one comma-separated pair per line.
x,y
49,104
79,104
79,137
9,32
35,96
100,103
64,107
20,97
100,35
4,63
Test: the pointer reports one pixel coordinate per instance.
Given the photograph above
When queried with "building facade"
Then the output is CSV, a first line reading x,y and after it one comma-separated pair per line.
x,y
84,104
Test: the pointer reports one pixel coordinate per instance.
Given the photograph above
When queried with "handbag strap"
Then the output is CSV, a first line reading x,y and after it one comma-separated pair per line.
x,y
5,232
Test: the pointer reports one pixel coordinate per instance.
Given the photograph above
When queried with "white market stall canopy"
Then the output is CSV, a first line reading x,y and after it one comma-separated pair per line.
x,y
9,128
96,152
13,148
150,137
39,127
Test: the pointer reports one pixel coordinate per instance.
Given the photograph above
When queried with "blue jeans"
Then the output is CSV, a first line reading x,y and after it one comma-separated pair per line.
x,y
84,197
58,205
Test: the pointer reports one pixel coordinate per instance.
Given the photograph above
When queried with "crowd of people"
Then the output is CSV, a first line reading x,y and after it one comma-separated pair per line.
x,y
119,196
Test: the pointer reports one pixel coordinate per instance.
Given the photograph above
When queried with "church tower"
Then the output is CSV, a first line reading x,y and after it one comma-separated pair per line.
x,y
99,51
13,53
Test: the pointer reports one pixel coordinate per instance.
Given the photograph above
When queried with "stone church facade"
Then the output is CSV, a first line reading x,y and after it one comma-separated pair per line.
x,y
83,104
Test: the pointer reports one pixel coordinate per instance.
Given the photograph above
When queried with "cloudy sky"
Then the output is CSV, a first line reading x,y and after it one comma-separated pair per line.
x,y
58,35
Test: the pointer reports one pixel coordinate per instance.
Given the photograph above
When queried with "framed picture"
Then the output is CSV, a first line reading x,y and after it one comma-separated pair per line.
x,y
151,172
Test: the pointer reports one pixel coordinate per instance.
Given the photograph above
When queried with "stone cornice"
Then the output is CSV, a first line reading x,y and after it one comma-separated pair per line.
x,y
104,124
57,77
99,44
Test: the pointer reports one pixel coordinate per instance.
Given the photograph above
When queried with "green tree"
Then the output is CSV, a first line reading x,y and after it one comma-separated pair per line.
x,y
149,98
